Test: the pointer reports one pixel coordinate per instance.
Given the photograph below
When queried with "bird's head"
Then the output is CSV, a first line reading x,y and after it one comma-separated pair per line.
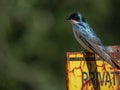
x,y
76,18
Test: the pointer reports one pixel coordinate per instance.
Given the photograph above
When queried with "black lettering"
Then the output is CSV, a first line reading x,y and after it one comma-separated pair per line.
x,y
92,77
113,77
84,77
118,78
101,78
108,80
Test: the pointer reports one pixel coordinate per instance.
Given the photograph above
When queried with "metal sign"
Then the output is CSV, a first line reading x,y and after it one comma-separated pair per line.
x,y
90,74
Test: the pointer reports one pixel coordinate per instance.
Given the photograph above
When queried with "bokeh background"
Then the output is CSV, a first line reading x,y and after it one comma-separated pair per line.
x,y
35,36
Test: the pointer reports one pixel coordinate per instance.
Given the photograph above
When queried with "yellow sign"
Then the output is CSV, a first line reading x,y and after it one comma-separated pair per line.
x,y
90,74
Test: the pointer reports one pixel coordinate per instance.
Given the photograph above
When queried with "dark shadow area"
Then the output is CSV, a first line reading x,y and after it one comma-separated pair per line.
x,y
92,68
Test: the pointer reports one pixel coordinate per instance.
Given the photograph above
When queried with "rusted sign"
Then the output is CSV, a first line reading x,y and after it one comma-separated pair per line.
x,y
89,72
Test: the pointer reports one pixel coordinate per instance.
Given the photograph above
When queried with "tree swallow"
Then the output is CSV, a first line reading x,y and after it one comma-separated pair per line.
x,y
89,40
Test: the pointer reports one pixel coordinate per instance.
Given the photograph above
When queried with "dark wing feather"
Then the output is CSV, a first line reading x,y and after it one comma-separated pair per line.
x,y
95,44
88,33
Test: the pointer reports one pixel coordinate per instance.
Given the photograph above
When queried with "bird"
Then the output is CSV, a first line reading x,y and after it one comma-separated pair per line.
x,y
88,39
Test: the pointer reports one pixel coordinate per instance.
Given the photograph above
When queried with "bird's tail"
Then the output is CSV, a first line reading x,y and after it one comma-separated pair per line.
x,y
109,58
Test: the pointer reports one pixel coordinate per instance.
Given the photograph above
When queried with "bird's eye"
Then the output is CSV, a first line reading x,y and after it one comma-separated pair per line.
x,y
77,18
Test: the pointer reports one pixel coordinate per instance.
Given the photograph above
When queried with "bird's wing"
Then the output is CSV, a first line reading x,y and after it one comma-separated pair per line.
x,y
103,53
88,33
95,44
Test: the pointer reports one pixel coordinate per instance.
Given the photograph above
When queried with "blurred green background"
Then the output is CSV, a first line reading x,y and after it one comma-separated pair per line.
x,y
34,37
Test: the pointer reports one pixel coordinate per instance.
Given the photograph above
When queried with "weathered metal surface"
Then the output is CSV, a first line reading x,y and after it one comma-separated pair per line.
x,y
115,51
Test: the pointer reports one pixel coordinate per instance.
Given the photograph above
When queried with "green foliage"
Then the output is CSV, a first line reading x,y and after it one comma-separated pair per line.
x,y
34,37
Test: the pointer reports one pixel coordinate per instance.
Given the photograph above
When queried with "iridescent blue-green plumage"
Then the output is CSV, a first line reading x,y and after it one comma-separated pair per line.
x,y
89,40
